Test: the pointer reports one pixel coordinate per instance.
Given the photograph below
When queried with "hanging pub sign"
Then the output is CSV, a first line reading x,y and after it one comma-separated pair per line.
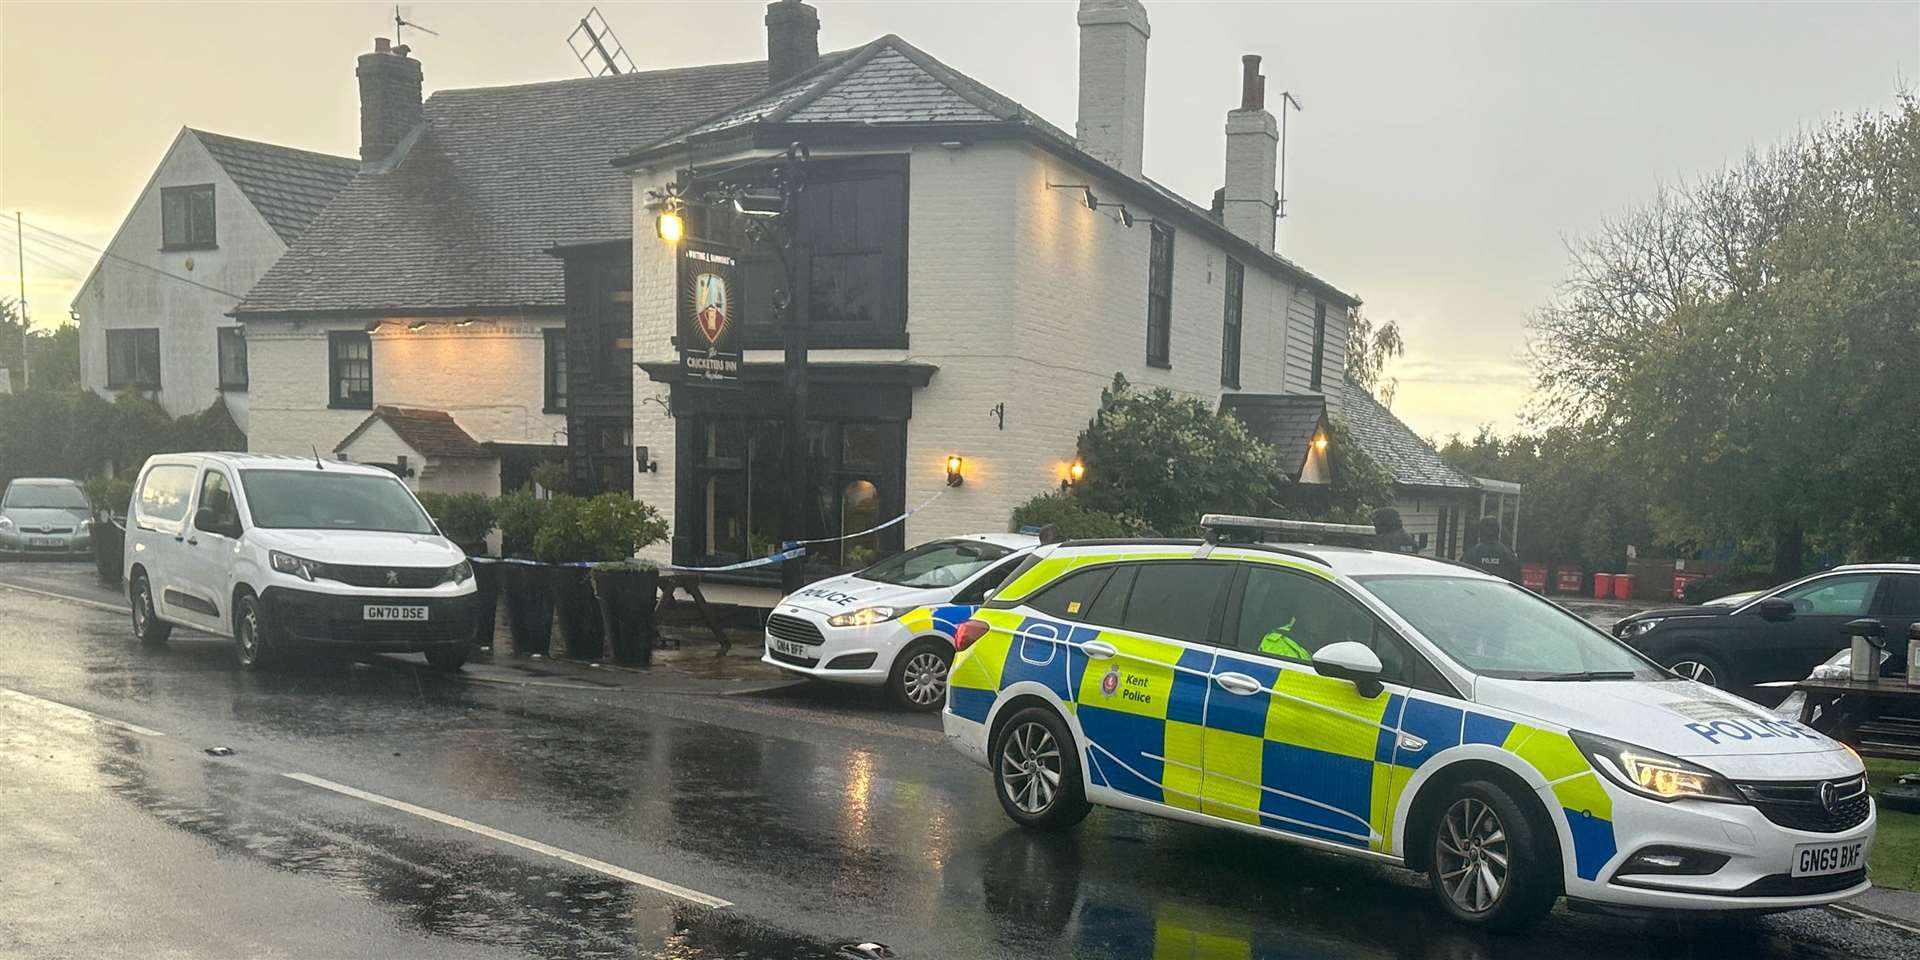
x,y
710,318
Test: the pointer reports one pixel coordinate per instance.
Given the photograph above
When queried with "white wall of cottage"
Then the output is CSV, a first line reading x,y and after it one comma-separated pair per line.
x,y
490,375
1021,296
137,285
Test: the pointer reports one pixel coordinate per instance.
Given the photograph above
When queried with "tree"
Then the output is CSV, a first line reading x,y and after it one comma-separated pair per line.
x,y
55,353
1368,350
1745,344
1167,459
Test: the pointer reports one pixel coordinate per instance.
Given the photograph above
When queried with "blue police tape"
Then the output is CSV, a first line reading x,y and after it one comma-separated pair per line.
x,y
781,557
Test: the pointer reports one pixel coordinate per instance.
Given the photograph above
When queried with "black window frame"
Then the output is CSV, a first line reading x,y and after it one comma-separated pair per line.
x,y
180,202
1319,343
556,373
353,401
226,340
134,339
1231,315
1160,255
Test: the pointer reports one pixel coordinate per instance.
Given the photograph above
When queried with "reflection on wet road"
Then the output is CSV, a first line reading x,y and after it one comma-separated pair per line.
x,y
821,825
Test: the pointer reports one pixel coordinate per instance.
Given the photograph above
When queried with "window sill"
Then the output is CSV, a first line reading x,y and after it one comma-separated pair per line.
x,y
1160,364
132,386
1230,384
556,411
188,247
233,388
351,406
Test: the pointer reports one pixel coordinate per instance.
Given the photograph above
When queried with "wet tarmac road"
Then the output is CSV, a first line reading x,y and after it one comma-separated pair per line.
x,y
437,818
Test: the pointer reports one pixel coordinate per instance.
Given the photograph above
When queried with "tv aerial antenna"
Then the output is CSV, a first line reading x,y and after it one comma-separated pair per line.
x,y
597,49
1287,100
400,21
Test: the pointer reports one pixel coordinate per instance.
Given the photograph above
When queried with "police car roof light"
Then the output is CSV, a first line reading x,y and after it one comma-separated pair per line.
x,y
1227,528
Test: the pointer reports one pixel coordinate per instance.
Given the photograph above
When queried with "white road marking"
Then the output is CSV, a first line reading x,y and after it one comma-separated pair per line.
x,y
49,594
1871,917
598,866
62,708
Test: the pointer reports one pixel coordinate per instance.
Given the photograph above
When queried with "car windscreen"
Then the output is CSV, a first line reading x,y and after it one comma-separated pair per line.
x,y
322,500
44,496
937,563
1498,629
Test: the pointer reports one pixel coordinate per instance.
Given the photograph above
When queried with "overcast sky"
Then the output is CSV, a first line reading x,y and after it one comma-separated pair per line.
x,y
1445,150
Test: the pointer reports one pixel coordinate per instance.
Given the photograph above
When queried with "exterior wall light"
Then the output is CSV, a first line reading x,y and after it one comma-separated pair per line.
x,y
670,225
1075,472
416,326
954,463
1320,443
1086,193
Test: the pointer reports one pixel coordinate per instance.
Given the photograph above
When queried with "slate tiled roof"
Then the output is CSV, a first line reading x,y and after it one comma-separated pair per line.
x,y
1286,421
1395,447
289,187
432,432
496,176
890,81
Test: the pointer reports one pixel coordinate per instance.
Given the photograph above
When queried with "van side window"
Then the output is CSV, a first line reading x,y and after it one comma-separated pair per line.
x,y
217,512
1068,597
166,491
1177,600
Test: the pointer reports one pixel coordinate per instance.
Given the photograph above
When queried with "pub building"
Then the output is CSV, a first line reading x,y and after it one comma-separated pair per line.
x,y
968,278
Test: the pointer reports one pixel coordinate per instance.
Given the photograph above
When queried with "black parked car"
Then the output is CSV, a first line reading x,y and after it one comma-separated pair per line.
x,y
1782,633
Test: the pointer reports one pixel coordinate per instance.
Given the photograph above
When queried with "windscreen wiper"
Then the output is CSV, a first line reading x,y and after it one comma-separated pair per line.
x,y
1589,675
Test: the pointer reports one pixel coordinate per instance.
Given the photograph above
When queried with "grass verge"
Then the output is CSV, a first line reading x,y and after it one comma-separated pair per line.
x,y
1896,845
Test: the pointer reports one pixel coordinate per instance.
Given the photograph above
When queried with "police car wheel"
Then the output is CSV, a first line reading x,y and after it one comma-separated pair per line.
x,y
1036,771
1487,866
919,680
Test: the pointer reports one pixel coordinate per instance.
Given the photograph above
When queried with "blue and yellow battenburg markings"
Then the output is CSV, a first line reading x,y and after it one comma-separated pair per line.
x,y
1306,755
942,620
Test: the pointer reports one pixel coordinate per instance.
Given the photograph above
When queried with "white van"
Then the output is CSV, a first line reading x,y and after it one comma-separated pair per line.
x,y
282,553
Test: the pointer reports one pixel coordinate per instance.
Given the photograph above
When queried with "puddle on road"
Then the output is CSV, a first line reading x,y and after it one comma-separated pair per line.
x,y
455,890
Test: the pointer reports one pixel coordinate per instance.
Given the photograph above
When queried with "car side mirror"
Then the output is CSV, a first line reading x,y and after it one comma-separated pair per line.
x,y
1776,609
1353,662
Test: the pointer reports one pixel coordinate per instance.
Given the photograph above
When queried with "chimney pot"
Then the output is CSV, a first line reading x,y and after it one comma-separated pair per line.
x,y
380,44
402,50
1253,86
793,40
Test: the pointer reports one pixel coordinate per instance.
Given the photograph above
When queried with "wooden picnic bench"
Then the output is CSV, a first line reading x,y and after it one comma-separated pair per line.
x,y
1878,717
672,581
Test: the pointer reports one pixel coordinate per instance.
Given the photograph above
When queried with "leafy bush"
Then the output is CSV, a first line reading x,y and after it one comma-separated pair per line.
x,y
1168,458
1073,519
111,494
608,527
519,515
466,518
553,477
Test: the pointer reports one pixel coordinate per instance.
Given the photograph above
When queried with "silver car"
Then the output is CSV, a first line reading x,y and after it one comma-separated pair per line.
x,y
45,517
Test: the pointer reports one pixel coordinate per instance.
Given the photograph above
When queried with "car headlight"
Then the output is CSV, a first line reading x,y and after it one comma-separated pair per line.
x,y
1638,627
288,563
6,523
864,617
86,526
458,573
1651,773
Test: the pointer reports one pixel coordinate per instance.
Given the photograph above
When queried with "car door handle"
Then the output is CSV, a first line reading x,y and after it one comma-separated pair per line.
x,y
1099,650
1238,684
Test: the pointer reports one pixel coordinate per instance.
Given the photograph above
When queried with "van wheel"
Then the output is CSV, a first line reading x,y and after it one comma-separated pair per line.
x,y
147,625
1036,771
449,659
1488,867
252,648
919,679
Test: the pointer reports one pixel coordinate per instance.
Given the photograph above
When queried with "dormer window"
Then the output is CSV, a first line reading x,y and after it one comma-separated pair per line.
x,y
186,218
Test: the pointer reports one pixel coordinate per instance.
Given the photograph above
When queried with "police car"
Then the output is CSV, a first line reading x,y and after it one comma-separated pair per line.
x,y
1401,709
893,622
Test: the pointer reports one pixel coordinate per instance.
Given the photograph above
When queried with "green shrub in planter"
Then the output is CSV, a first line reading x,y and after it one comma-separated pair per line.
x,y
1074,519
111,495
519,515
465,518
605,528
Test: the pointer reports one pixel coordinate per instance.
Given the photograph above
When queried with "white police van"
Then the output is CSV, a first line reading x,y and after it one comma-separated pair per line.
x,y
1401,709
282,553
893,622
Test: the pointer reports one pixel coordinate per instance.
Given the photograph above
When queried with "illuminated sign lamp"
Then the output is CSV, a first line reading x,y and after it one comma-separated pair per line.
x,y
954,463
670,225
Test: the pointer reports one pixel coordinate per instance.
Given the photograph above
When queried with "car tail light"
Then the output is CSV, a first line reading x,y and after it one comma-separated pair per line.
x,y
965,634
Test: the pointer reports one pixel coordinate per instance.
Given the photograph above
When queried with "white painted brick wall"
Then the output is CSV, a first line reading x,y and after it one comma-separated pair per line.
x,y
490,376
1113,81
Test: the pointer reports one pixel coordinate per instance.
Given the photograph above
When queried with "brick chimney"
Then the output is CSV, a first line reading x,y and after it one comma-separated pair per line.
x,y
1113,81
1248,202
389,99
793,40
